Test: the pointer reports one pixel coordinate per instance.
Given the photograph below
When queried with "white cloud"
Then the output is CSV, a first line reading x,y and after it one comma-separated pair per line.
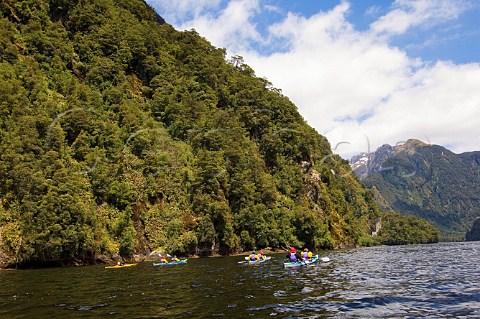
x,y
231,28
272,8
442,105
304,33
353,86
412,13
227,26
334,74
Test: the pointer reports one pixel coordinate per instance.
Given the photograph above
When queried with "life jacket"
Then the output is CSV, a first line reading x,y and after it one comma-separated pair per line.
x,y
305,254
253,257
293,257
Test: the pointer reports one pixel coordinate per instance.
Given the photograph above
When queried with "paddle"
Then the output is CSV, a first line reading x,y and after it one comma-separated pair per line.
x,y
244,261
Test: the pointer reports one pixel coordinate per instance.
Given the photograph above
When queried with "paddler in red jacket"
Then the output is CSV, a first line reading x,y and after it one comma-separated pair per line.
x,y
293,255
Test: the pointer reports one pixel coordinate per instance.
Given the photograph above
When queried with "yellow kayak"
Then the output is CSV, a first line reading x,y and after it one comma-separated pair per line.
x,y
120,266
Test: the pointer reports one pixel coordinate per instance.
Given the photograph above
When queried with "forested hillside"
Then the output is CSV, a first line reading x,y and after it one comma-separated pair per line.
x,y
120,135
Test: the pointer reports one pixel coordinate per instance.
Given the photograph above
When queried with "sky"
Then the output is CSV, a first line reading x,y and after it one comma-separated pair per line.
x,y
363,73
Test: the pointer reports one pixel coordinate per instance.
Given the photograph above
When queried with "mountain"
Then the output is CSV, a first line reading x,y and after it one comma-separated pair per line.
x,y
366,164
121,136
427,181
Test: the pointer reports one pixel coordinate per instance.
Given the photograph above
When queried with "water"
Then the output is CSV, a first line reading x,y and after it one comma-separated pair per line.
x,y
418,281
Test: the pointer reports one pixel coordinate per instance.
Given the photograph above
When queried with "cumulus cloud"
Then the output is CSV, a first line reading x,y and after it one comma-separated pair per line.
x,y
354,86
224,25
338,77
231,28
412,13
442,102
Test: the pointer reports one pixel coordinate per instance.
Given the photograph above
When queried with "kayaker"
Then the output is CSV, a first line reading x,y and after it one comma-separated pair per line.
x,y
253,256
175,259
261,255
293,255
163,259
305,254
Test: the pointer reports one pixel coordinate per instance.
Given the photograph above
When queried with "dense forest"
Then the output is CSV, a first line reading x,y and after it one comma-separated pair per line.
x,y
121,135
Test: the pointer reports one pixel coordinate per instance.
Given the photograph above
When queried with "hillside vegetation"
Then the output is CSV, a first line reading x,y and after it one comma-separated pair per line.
x,y
120,135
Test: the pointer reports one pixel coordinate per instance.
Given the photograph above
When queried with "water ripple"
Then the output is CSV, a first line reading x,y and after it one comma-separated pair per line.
x,y
419,281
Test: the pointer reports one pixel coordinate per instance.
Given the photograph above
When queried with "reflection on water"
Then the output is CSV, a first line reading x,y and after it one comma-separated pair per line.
x,y
438,281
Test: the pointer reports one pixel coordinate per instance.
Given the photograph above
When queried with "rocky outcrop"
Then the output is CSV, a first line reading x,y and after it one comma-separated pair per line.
x,y
5,260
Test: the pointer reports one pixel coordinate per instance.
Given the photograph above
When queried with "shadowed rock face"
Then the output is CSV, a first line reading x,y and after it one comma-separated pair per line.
x,y
426,181
474,233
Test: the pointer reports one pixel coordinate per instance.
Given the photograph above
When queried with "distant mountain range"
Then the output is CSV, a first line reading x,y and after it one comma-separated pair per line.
x,y
426,181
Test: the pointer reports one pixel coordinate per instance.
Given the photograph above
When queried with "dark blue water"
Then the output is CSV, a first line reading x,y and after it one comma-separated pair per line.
x,y
419,281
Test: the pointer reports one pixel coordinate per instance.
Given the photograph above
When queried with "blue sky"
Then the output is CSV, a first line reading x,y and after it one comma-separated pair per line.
x,y
363,73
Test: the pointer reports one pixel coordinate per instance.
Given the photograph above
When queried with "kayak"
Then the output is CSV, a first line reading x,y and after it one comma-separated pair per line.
x,y
291,264
120,266
254,262
171,263
305,262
